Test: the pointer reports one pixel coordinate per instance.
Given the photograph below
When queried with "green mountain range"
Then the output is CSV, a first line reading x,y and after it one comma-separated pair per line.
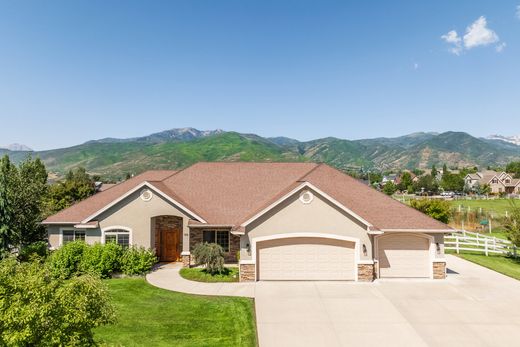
x,y
178,148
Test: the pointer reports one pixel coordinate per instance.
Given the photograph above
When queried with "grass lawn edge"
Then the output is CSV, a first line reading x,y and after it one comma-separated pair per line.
x,y
470,258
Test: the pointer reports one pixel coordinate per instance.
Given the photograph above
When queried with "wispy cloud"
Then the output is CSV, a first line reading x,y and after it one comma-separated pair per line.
x,y
477,34
416,66
518,11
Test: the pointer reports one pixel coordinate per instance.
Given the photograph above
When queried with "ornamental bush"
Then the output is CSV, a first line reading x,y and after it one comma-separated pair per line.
x,y
37,309
38,249
211,255
101,260
438,209
65,261
137,260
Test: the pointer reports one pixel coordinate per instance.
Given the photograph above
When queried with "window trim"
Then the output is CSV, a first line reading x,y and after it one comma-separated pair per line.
x,y
62,229
215,235
111,230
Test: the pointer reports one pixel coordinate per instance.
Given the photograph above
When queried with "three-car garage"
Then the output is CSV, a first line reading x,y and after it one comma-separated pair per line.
x,y
398,255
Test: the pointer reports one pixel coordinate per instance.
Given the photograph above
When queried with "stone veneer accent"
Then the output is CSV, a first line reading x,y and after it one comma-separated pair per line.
x,y
439,270
234,244
365,272
186,260
247,272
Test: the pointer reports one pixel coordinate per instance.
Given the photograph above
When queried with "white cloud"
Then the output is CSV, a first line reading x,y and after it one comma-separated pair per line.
x,y
453,38
478,34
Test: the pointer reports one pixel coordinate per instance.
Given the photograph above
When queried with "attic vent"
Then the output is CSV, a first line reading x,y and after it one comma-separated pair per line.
x,y
146,195
306,197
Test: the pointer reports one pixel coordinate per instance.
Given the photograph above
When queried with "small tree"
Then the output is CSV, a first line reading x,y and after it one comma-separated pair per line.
x,y
389,188
512,224
211,255
437,209
39,310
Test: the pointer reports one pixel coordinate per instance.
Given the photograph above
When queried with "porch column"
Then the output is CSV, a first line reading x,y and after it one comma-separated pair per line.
x,y
186,255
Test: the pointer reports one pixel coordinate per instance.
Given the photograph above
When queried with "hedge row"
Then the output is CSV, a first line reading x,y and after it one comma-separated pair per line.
x,y
103,260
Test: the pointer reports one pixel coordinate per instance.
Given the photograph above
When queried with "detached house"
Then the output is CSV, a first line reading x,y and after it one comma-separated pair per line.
x,y
279,221
499,182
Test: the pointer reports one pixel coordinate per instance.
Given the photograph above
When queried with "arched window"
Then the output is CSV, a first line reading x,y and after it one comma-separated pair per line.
x,y
119,235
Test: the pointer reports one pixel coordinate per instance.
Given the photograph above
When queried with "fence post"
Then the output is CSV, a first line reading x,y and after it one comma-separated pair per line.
x,y
494,243
478,241
457,243
486,246
514,251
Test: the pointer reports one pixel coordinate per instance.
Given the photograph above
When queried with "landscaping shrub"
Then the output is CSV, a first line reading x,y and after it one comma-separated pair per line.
x,y
211,255
137,260
37,309
438,209
38,249
65,262
101,260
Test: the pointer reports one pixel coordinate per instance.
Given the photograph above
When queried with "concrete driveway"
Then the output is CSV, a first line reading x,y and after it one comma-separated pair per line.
x,y
473,307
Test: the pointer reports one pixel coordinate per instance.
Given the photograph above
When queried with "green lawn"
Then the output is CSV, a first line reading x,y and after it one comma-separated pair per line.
x,y
498,206
507,266
230,274
150,316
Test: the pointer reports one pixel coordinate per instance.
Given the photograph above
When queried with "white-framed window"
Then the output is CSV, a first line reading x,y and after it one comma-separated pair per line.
x,y
220,237
70,235
118,234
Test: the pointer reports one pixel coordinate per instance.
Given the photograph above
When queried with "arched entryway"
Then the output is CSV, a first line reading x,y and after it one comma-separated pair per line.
x,y
167,232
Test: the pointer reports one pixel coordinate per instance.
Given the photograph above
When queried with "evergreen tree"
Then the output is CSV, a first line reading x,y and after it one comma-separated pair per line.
x,y
6,211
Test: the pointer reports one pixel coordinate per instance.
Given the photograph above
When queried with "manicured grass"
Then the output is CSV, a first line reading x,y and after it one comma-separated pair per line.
x,y
498,206
230,274
150,316
507,266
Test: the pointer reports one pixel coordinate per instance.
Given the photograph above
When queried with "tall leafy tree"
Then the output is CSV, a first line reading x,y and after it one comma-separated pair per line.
x,y
77,186
7,232
22,190
434,171
30,189
406,181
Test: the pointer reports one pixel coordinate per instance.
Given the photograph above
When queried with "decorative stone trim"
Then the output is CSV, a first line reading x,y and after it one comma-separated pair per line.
x,y
186,260
247,272
365,272
439,270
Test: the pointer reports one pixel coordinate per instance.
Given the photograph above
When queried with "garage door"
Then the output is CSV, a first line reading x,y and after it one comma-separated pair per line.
x,y
404,256
311,259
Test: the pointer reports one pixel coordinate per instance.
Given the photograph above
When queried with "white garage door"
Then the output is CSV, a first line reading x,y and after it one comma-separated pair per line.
x,y
404,256
304,258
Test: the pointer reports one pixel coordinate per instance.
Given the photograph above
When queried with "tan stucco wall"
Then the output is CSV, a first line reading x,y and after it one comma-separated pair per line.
x,y
137,214
133,213
439,238
293,216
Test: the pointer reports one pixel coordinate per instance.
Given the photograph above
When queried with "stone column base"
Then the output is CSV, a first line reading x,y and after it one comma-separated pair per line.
x,y
247,272
186,258
365,272
439,270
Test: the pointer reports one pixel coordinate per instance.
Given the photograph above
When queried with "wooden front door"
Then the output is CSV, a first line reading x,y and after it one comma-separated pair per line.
x,y
168,233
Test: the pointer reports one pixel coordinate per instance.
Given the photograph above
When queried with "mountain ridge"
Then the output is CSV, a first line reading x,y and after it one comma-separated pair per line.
x,y
180,147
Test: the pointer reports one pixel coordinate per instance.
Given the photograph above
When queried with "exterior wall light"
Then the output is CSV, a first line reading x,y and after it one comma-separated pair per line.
x,y
364,250
438,248
248,249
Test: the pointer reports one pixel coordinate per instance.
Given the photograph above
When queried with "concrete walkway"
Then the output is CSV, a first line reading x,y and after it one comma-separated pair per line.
x,y
168,277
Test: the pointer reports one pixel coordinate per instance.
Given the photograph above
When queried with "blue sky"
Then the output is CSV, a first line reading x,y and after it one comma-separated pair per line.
x,y
71,71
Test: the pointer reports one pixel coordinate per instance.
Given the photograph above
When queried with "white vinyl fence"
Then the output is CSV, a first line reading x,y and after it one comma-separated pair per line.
x,y
475,242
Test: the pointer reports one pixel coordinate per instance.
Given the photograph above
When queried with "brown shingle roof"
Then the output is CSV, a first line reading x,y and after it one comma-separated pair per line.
x,y
81,210
231,193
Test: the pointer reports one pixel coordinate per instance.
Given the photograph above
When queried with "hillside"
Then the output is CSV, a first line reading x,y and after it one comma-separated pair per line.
x,y
178,148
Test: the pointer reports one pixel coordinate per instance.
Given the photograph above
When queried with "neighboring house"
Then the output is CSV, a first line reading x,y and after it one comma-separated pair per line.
x,y
389,178
282,221
499,182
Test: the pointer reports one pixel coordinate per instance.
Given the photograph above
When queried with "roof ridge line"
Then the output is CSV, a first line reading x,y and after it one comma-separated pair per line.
x,y
301,179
